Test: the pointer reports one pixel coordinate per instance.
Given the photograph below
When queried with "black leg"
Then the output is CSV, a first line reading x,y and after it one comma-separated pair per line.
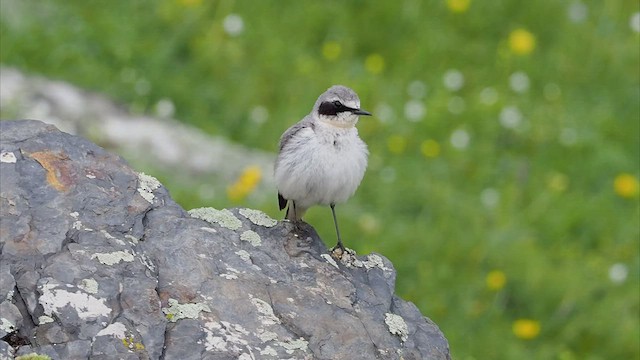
x,y
335,221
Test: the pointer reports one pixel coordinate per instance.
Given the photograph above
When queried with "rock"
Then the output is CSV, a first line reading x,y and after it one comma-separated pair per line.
x,y
98,261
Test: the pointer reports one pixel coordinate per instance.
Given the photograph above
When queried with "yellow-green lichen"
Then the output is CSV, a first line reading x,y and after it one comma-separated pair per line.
x,y
130,343
397,326
33,356
177,311
224,217
146,185
252,237
258,217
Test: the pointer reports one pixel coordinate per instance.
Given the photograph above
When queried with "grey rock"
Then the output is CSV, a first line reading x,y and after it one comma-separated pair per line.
x,y
101,263
6,351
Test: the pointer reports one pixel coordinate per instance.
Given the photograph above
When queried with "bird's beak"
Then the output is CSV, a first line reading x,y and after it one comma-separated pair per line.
x,y
361,112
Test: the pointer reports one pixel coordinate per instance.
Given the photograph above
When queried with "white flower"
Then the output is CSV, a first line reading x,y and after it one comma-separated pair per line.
x,y
489,197
414,110
618,273
578,12
384,112
259,114
233,24
488,96
634,22
519,82
453,80
510,117
460,139
165,108
417,89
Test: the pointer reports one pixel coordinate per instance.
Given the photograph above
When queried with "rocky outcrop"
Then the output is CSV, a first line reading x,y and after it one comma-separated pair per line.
x,y
99,262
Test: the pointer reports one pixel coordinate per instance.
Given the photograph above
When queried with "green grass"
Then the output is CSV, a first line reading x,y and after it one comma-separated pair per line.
x,y
535,202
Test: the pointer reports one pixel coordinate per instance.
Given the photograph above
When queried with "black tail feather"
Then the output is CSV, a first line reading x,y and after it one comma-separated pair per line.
x,y
282,202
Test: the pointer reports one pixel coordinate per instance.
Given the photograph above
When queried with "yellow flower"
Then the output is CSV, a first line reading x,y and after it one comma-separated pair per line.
x,y
430,148
521,42
558,182
458,6
496,280
526,329
374,63
331,50
397,144
626,185
246,183
369,223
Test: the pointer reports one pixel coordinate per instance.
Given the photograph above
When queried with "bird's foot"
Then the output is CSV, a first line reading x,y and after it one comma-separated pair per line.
x,y
338,250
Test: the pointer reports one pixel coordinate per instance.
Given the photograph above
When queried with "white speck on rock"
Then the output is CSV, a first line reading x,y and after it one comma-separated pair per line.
x,y
177,311
268,350
147,262
146,185
224,335
224,217
397,326
252,237
267,316
132,239
77,225
229,276
295,344
116,329
74,214
44,319
89,285
244,255
6,325
374,260
208,229
87,306
8,157
267,336
258,217
330,260
111,237
113,258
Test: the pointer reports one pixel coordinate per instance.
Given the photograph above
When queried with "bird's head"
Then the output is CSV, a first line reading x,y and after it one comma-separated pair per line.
x,y
338,106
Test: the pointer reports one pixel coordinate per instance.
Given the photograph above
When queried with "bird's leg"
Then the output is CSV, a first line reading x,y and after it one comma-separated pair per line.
x,y
297,223
335,221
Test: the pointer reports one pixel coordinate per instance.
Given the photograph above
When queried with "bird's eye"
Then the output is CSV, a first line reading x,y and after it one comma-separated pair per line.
x,y
337,103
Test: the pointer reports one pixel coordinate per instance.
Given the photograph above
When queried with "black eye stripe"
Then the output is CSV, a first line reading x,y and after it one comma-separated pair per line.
x,y
332,108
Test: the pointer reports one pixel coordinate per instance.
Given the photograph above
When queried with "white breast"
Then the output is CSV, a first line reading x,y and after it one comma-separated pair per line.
x,y
321,167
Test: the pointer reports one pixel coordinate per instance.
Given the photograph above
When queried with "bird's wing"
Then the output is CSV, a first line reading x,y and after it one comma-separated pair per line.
x,y
292,131
284,140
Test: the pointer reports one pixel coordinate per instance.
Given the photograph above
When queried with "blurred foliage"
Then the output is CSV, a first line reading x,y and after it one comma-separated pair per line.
x,y
503,178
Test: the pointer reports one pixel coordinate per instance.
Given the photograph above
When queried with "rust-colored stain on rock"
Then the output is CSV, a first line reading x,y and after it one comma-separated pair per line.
x,y
58,171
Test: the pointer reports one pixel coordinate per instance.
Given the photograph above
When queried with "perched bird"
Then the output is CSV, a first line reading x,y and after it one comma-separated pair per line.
x,y
322,159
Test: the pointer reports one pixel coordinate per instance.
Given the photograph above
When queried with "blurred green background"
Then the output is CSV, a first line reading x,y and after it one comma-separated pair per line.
x,y
505,151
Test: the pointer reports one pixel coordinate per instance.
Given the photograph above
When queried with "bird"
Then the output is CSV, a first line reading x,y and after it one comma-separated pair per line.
x,y
321,159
